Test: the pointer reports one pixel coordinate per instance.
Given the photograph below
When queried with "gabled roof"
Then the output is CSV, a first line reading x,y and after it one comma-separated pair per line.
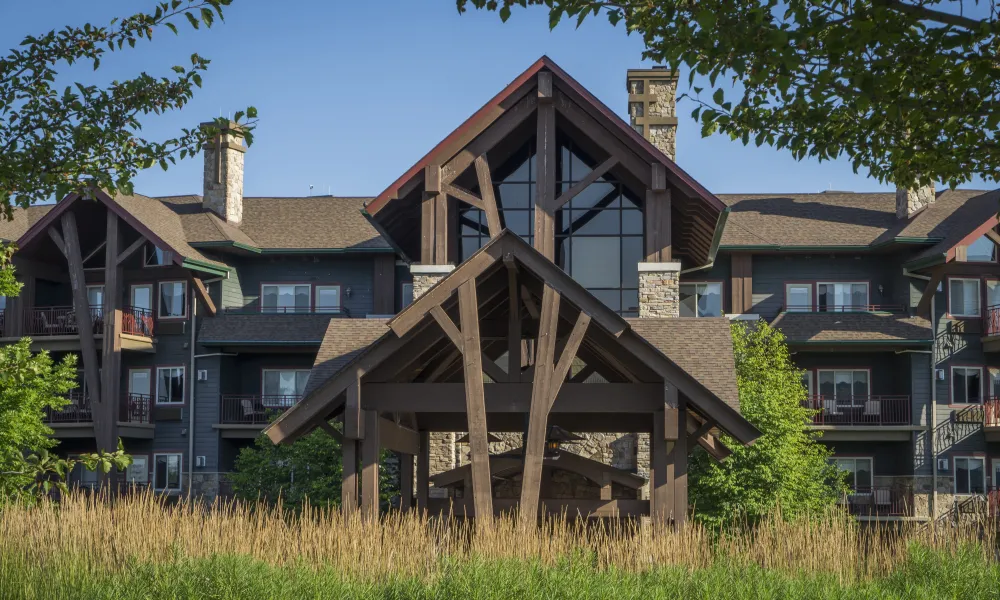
x,y
615,334
847,220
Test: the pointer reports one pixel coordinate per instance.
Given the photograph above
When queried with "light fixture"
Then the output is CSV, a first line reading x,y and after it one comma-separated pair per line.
x,y
347,292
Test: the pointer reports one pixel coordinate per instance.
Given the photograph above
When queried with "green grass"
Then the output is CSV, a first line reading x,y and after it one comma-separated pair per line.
x,y
925,575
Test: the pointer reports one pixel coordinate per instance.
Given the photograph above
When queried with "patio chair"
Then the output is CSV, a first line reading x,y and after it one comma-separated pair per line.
x,y
251,412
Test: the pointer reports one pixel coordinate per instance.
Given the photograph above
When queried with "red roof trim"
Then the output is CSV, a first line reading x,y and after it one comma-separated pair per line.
x,y
62,206
545,62
971,237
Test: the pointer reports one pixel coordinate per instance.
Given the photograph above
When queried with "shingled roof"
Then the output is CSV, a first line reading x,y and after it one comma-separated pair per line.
x,y
343,340
234,329
831,219
803,327
701,346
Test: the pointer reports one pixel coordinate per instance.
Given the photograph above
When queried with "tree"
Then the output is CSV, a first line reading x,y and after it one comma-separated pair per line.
x,y
311,468
786,467
907,89
57,140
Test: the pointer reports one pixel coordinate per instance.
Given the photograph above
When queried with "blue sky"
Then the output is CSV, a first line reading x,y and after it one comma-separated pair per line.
x,y
351,94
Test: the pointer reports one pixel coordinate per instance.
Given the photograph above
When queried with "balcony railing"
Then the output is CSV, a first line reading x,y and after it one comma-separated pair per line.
x,y
59,320
256,308
844,308
2,312
860,410
991,320
133,408
991,412
243,409
137,321
879,501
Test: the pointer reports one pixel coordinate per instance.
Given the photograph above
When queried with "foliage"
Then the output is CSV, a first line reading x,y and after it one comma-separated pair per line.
x,y
57,139
908,89
50,472
785,469
29,384
309,469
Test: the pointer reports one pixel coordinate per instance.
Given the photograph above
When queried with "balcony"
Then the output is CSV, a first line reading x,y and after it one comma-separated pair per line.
x,y
59,321
137,321
879,502
847,418
845,308
244,415
76,419
991,329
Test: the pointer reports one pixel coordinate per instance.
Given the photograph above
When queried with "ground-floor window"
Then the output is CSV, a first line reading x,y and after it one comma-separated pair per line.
x,y
970,475
859,472
138,472
966,385
167,472
82,476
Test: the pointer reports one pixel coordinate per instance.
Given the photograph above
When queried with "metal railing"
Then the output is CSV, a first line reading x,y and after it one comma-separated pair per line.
x,y
256,308
879,501
77,411
991,320
860,410
844,308
137,321
136,408
249,409
59,320
991,412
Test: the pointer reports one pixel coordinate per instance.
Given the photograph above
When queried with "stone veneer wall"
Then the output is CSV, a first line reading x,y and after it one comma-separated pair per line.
x,y
910,201
659,289
223,194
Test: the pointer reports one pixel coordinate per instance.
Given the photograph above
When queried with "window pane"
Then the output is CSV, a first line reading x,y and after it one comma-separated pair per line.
x,y
798,297
272,383
596,262
863,473
596,222
610,298
977,476
518,221
514,195
827,387
992,293
630,303
688,301
710,300
973,385
859,295
982,250
632,255
327,298
823,296
407,294
860,383
141,297
844,384
302,298
172,299
301,379
599,192
270,297
961,476
632,222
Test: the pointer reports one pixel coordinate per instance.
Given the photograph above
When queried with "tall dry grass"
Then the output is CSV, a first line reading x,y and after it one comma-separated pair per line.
x,y
142,529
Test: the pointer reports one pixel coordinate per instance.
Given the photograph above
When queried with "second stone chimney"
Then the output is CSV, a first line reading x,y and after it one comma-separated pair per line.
x,y
911,201
223,178
652,106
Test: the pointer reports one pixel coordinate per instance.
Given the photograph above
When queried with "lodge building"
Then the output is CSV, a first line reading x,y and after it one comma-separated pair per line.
x,y
535,314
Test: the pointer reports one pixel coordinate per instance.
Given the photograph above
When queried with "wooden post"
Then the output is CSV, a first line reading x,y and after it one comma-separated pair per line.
x,y
475,402
660,498
513,327
405,482
85,325
545,181
606,487
681,467
369,466
423,471
538,417
349,487
112,347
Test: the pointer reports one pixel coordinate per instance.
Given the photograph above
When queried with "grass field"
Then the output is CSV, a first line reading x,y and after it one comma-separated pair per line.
x,y
138,548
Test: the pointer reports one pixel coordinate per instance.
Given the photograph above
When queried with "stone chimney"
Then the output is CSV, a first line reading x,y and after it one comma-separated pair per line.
x,y
911,201
223,177
652,106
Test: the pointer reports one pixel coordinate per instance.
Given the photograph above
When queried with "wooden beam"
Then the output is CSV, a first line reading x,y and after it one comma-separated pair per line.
x,y
354,422
529,303
513,327
206,300
658,215
584,398
103,414
432,179
489,199
671,405
741,282
700,431
540,406
395,437
504,125
465,196
544,87
127,252
475,399
660,494
58,240
993,235
111,355
405,482
566,358
581,185
448,326
441,229
545,180
924,306
680,464
349,483
582,374
427,229
423,471
370,448
331,431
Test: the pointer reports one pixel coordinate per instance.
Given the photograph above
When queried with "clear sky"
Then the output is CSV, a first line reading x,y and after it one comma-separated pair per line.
x,y
352,92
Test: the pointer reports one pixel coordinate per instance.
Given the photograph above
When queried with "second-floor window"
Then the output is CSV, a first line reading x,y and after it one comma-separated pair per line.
x,y
859,472
846,386
172,304
327,298
285,382
95,298
701,299
285,298
170,385
839,297
966,385
963,297
799,297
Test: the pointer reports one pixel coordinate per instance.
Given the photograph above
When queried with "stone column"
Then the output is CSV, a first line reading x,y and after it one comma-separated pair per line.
x,y
425,276
652,106
659,289
911,201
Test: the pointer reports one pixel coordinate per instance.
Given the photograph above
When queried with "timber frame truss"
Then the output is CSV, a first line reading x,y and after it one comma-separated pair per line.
x,y
504,343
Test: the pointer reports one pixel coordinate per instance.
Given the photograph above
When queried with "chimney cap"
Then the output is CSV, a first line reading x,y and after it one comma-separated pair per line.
x,y
223,125
656,72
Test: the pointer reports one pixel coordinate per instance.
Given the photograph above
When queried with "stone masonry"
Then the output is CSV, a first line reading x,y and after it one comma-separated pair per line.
x,y
659,289
652,107
910,201
223,175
